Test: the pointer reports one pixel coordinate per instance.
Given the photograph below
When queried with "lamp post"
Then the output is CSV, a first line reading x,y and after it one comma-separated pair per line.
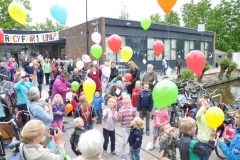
x,y
87,28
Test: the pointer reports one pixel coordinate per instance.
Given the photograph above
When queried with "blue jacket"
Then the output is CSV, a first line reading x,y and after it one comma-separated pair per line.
x,y
40,74
135,138
3,70
97,103
25,65
145,101
78,113
232,151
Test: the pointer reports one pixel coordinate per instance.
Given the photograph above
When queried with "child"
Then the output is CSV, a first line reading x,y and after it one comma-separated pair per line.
x,y
58,109
110,116
79,129
189,146
97,104
87,112
145,105
168,141
126,114
135,138
136,91
204,131
44,103
160,118
74,102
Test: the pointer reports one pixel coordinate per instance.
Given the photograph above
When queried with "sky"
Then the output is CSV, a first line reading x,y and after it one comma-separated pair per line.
x,y
76,9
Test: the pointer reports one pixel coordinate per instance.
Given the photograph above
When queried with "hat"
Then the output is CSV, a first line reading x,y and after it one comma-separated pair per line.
x,y
118,84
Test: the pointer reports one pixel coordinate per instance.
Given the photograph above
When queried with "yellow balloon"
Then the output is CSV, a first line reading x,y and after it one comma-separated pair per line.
x,y
18,12
214,117
89,88
126,53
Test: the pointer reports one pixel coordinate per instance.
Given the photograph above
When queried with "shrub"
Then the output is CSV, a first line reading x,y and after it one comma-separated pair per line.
x,y
225,62
186,74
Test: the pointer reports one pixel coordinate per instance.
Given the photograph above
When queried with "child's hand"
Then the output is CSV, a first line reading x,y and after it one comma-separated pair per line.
x,y
148,112
94,120
58,112
119,114
74,94
172,134
220,140
213,135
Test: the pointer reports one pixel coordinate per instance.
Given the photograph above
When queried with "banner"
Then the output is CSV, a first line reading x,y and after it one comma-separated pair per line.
x,y
31,38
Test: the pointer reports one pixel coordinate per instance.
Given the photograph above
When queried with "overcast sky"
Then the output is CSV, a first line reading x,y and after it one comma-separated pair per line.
x,y
76,9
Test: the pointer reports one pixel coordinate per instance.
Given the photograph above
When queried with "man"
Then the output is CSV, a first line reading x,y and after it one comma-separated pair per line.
x,y
114,72
179,65
71,66
150,77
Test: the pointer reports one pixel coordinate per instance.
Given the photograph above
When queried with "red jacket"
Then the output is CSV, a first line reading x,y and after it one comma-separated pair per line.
x,y
135,93
97,79
74,104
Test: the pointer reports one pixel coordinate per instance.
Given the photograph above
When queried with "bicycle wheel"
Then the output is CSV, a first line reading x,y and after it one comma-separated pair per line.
x,y
219,153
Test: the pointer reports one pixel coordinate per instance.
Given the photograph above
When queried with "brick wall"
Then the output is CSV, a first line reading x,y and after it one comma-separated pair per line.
x,y
76,39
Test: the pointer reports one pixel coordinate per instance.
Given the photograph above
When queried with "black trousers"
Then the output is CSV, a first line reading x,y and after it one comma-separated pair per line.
x,y
178,70
106,135
40,89
47,78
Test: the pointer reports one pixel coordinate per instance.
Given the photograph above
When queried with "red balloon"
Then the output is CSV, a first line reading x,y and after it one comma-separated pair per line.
x,y
1,36
128,77
115,43
196,62
158,47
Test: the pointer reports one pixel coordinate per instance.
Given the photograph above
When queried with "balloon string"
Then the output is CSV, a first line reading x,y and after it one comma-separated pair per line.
x,y
34,47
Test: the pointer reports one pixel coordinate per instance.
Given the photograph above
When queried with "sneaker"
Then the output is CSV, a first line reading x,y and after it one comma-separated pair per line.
x,y
123,157
152,148
64,130
115,153
148,133
104,153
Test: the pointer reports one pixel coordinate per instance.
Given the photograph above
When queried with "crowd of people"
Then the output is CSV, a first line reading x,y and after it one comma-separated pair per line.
x,y
129,103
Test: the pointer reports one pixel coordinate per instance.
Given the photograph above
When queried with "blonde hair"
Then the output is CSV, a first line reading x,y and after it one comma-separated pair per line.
x,y
61,100
82,99
112,100
186,124
32,129
76,120
162,127
138,123
133,65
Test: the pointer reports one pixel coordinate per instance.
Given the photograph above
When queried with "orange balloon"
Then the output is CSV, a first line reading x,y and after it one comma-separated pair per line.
x,y
68,108
167,5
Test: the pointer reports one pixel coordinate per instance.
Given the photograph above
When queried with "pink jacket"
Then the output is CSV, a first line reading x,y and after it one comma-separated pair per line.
x,y
109,119
160,117
11,66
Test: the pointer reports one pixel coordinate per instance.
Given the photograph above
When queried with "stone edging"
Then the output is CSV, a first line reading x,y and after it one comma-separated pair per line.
x,y
223,82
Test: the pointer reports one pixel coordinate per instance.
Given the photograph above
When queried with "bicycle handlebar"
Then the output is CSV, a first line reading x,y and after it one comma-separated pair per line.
x,y
210,94
186,83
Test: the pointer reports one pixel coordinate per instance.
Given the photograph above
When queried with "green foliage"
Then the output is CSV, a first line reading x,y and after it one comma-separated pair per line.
x,y
48,25
186,74
207,66
225,62
170,19
229,52
232,66
156,18
124,13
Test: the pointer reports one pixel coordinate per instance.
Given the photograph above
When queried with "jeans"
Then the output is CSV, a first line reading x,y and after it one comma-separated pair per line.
x,y
11,75
88,126
204,157
147,117
125,135
135,154
99,114
47,78
24,117
163,70
106,135
105,79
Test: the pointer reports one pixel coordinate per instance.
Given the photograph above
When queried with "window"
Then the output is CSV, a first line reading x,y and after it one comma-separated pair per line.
x,y
167,48
188,46
173,54
150,55
150,42
173,49
204,48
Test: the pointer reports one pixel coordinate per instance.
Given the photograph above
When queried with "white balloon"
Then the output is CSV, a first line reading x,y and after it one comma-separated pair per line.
x,y
96,37
106,71
80,65
86,58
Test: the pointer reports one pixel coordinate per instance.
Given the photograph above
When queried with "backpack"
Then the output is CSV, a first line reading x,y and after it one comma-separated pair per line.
x,y
72,138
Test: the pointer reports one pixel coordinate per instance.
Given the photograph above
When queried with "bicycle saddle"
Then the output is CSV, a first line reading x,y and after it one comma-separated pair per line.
x,y
13,143
193,91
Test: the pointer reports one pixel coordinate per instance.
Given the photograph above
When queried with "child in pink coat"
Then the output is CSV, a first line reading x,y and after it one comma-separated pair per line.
x,y
160,117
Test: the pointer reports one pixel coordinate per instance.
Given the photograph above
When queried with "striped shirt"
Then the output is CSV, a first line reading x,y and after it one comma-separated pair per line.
x,y
128,114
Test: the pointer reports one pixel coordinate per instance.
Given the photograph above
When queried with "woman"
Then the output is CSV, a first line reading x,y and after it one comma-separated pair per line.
x,y
53,68
135,72
32,146
90,145
96,74
46,69
59,63
11,69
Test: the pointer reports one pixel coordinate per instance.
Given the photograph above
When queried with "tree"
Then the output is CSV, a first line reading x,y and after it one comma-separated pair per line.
x,y
156,18
48,25
124,13
172,19
6,22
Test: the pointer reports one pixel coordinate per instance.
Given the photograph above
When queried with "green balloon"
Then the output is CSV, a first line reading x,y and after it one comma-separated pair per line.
x,y
75,86
146,23
96,51
164,94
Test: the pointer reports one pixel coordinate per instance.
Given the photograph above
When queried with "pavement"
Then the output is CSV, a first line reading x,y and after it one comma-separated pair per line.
x,y
145,155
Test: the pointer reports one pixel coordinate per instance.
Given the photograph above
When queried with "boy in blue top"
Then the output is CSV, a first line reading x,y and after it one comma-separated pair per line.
x,y
97,104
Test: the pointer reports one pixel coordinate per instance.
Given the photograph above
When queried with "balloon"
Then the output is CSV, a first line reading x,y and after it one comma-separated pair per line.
x,y
79,65
146,23
1,36
106,71
164,93
75,86
68,108
86,58
158,47
167,5
126,53
18,12
214,117
101,66
89,87
196,62
128,77
96,37
59,13
115,43
96,51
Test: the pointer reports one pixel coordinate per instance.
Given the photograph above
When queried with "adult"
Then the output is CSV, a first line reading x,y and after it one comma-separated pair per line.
x,y
114,72
15,63
46,69
95,74
40,74
135,72
25,63
3,70
107,63
90,145
61,85
11,69
164,66
58,72
179,64
59,63
76,75
70,66
53,67
150,77
21,87
32,136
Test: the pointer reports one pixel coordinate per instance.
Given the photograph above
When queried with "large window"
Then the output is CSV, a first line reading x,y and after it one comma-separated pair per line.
x,y
204,48
188,46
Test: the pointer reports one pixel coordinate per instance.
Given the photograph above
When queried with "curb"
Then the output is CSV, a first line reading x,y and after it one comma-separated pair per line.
x,y
223,82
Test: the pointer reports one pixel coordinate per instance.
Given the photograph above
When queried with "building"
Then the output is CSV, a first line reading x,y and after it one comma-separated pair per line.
x,y
177,40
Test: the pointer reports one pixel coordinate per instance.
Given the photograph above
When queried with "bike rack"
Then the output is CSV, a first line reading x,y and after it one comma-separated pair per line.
x,y
218,95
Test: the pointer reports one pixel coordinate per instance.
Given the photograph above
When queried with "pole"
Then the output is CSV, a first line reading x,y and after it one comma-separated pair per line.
x,y
87,28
